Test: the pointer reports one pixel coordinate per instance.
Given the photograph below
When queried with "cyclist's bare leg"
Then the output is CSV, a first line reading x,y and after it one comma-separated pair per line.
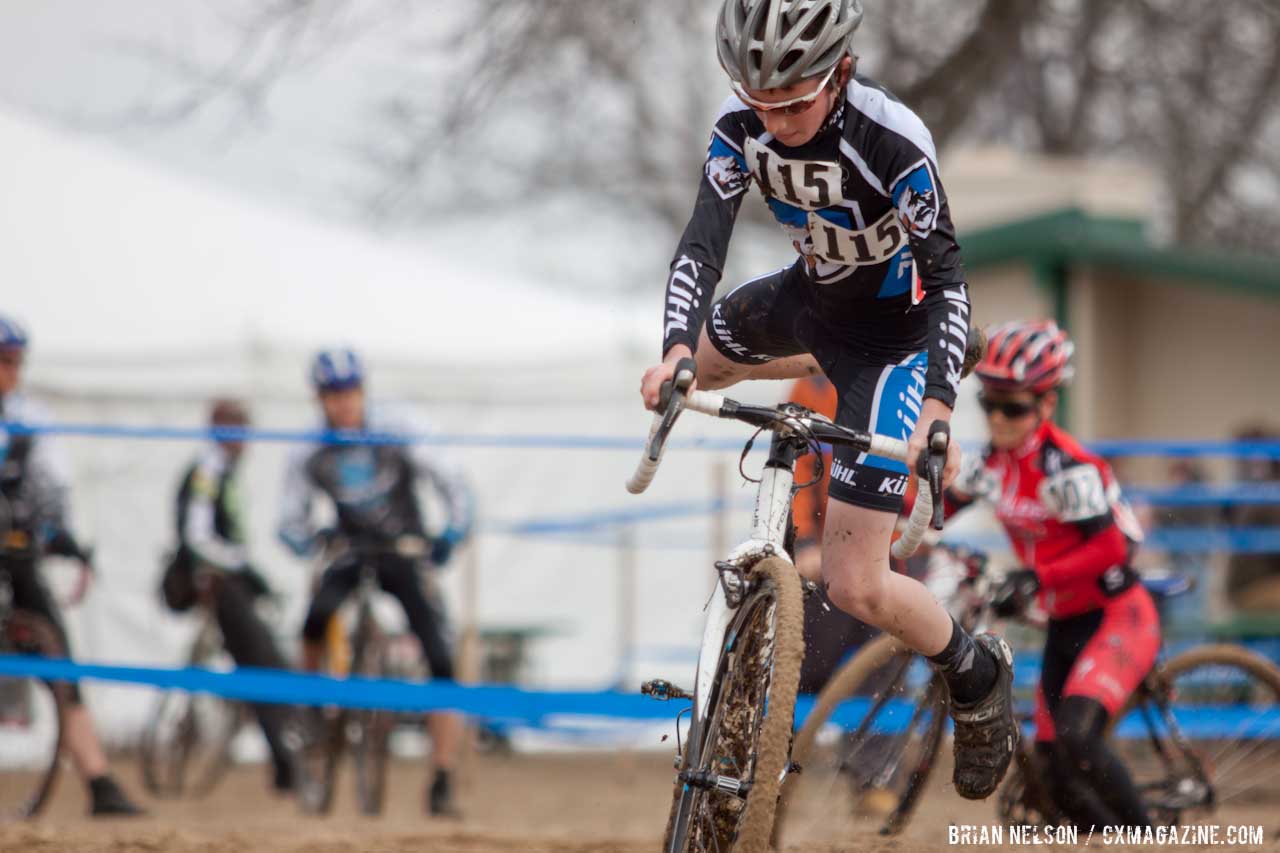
x,y
446,736
82,742
312,655
978,671
855,566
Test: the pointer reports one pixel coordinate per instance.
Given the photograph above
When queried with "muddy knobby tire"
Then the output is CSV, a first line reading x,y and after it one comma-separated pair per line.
x,y
773,749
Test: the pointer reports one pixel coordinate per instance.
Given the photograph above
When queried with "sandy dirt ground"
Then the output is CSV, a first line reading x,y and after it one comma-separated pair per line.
x,y
598,802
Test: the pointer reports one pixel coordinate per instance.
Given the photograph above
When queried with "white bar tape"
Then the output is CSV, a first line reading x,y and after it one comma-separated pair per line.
x,y
890,448
705,402
643,476
917,524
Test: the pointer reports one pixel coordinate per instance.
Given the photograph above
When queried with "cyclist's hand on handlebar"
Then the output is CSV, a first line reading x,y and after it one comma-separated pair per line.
x,y
918,442
651,384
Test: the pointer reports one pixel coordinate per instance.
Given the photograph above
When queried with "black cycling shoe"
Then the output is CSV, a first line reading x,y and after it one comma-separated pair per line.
x,y
986,734
440,797
284,779
107,800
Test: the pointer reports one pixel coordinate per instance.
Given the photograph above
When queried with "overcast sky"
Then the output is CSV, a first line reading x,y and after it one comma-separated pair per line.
x,y
99,66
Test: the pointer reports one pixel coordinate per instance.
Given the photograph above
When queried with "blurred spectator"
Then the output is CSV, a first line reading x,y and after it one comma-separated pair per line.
x,y
211,566
34,485
1253,580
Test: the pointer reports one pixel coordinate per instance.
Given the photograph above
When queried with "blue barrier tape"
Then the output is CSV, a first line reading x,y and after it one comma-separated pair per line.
x,y
266,685
1178,540
1235,449
525,707
545,442
1189,540
1203,494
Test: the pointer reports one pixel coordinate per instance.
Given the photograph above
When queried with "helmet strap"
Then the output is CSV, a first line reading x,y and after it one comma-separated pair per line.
x,y
838,84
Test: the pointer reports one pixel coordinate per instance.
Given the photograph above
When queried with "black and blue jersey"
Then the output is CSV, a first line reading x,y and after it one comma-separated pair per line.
x,y
865,210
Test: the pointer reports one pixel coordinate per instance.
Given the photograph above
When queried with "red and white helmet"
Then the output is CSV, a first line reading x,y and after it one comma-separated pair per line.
x,y
1026,355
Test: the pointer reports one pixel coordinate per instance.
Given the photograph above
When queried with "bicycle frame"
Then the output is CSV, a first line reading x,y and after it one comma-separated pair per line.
x,y
768,534
792,430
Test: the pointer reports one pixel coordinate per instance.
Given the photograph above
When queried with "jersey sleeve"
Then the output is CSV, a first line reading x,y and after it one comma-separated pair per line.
x,y
49,474
434,468
700,255
903,162
295,528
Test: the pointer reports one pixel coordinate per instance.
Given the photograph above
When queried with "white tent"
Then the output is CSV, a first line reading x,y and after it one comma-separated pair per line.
x,y
145,294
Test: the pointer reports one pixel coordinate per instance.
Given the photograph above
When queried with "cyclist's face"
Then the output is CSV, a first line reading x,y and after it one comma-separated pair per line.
x,y
10,369
343,409
1013,416
798,123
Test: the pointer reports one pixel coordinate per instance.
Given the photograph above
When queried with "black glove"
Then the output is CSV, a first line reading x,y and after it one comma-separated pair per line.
x,y
1015,593
1116,580
254,581
63,544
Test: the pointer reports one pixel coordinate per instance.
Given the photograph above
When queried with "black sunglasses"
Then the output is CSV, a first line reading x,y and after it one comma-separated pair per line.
x,y
1011,409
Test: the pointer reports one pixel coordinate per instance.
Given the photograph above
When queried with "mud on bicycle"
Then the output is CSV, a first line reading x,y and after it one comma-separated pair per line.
x,y
736,752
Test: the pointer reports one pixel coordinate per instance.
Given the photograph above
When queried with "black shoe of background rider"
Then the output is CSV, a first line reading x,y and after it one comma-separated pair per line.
x,y
986,733
107,800
440,796
283,781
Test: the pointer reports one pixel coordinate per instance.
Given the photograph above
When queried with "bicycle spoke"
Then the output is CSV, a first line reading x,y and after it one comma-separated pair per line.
x,y
1253,781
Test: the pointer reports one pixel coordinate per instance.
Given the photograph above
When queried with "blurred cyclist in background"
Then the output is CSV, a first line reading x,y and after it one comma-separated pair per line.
x,y
212,551
1074,534
34,484
373,492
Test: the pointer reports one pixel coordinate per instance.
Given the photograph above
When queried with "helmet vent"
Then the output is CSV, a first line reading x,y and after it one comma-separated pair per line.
x,y
792,57
816,27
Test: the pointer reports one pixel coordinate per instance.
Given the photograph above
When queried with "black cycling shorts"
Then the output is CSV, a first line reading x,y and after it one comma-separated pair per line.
x,y
776,316
398,576
31,595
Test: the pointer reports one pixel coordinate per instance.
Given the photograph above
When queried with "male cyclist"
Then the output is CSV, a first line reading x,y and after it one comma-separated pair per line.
x,y
1071,528
876,300
33,496
212,549
373,492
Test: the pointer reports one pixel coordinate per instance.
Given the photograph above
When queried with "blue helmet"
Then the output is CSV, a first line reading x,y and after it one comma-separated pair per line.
x,y
336,370
12,335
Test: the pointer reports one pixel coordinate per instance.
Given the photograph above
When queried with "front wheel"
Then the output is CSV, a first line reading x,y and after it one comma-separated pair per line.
x,y
368,730
739,746
31,715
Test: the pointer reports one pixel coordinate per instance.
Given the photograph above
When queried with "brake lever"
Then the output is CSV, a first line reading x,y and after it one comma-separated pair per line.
x,y
932,464
671,402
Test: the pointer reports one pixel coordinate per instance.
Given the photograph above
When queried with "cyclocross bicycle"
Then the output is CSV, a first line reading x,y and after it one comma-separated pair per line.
x,y
737,749
186,747
31,710
325,733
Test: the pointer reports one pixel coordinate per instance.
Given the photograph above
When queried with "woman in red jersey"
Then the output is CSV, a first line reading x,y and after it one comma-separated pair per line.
x,y
1073,533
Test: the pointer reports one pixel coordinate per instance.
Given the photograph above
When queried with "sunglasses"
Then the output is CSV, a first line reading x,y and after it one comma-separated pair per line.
x,y
791,107
1011,409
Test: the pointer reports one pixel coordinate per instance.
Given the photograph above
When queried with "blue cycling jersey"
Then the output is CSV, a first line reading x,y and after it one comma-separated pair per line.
x,y
865,210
